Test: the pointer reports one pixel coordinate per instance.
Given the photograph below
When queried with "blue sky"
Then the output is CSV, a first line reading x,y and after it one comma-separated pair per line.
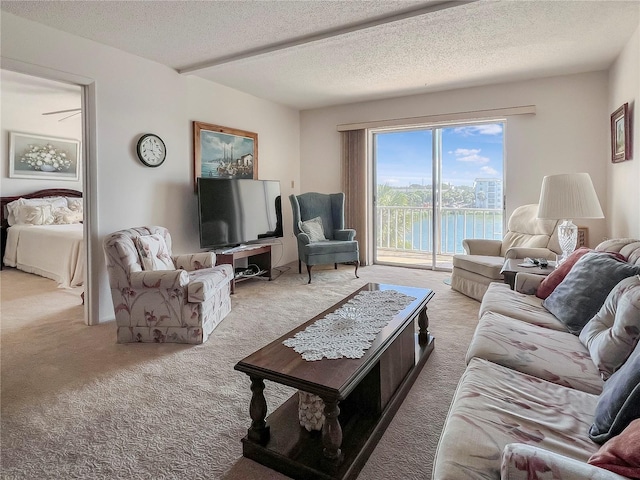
x,y
468,152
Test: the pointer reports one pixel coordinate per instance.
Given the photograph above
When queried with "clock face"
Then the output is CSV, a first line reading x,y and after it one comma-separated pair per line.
x,y
151,150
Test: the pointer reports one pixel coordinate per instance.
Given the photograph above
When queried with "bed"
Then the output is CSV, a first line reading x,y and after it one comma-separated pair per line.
x,y
42,233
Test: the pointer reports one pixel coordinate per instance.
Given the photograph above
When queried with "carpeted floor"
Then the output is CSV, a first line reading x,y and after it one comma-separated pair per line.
x,y
77,405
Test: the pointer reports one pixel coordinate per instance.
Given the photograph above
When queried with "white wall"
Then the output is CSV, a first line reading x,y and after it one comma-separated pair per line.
x,y
567,134
22,104
135,96
623,199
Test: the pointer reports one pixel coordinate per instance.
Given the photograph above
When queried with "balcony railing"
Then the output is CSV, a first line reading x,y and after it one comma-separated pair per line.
x,y
410,229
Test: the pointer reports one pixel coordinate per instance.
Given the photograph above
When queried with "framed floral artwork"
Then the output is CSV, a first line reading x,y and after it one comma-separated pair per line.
x,y
620,135
222,152
43,158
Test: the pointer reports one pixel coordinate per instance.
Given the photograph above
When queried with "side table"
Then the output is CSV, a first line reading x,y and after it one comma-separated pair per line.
x,y
512,267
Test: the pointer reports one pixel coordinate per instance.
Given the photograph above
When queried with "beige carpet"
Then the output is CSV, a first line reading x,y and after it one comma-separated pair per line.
x,y
77,405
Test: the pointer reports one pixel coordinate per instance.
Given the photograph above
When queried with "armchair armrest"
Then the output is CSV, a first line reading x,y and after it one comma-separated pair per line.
x,y
479,246
523,462
195,261
165,279
528,283
207,281
347,234
303,239
524,252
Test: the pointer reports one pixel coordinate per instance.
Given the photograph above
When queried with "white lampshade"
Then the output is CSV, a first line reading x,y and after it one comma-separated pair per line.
x,y
569,195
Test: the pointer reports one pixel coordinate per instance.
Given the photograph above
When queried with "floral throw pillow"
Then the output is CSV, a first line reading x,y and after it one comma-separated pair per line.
x,y
612,334
313,228
154,254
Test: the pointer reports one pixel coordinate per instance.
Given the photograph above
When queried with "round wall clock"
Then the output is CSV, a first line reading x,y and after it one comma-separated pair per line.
x,y
151,150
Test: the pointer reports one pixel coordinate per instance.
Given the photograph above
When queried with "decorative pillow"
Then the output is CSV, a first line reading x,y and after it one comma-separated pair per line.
x,y
613,333
619,402
313,228
55,202
74,204
621,454
65,215
154,254
33,215
582,292
552,280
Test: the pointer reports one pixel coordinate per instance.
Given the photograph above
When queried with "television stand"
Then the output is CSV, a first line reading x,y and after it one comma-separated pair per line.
x,y
259,255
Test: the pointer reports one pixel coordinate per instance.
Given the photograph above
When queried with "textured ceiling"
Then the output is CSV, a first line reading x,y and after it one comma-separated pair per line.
x,y
308,54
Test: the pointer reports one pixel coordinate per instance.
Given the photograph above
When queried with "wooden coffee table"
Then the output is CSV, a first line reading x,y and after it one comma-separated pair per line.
x,y
361,396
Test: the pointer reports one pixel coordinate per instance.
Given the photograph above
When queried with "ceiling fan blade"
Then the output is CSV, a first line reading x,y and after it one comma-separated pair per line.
x,y
63,111
69,116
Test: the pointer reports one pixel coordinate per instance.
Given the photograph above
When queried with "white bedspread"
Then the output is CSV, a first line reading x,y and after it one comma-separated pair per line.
x,y
52,251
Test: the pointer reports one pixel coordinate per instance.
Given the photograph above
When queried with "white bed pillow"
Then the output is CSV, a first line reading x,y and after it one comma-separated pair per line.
x,y
33,215
74,204
64,216
55,202
154,254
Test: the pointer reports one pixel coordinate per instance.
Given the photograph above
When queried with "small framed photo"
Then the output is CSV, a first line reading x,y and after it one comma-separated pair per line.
x,y
620,135
222,152
43,158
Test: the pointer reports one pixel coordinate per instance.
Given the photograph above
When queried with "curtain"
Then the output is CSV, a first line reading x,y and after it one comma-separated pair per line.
x,y
354,186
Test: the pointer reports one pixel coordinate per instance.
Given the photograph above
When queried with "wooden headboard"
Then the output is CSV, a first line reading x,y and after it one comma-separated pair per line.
x,y
50,192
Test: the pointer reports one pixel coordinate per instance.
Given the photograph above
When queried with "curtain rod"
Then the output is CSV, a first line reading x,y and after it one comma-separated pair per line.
x,y
443,117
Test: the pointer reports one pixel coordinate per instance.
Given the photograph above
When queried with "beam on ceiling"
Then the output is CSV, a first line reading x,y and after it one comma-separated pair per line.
x,y
325,34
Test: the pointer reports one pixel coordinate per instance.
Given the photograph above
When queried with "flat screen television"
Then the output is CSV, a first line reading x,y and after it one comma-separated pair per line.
x,y
234,211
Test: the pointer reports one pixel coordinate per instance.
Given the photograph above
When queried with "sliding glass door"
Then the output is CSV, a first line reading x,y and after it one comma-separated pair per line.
x,y
436,186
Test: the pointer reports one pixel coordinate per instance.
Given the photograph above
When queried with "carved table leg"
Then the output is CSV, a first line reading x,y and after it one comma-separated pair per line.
x,y
332,434
423,326
259,431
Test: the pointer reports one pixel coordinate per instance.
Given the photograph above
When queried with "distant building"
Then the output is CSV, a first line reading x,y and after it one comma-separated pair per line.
x,y
488,192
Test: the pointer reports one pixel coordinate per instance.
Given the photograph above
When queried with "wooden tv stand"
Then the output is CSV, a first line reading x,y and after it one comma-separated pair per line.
x,y
259,255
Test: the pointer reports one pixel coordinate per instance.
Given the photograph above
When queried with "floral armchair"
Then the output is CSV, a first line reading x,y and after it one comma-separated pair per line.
x,y
159,297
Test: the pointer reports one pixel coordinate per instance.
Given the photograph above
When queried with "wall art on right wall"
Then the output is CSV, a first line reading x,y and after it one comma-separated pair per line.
x,y
620,134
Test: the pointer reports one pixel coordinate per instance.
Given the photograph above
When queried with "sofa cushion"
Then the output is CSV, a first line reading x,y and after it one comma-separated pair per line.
x,y
621,454
612,334
313,228
495,406
619,403
583,291
484,265
557,357
528,308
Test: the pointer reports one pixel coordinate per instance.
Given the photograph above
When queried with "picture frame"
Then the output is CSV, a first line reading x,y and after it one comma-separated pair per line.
x,y
223,152
620,135
40,157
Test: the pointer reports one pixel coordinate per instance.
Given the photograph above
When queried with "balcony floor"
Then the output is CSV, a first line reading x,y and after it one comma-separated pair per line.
x,y
413,259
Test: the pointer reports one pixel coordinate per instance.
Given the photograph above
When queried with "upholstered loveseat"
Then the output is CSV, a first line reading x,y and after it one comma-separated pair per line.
x,y
533,402
159,297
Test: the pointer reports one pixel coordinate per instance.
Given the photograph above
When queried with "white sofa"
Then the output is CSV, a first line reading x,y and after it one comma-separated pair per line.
x,y
526,402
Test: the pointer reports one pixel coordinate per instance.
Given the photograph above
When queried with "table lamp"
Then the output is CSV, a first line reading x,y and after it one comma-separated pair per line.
x,y
565,197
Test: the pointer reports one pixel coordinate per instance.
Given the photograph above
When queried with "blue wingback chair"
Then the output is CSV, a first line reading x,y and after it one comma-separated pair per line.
x,y
338,246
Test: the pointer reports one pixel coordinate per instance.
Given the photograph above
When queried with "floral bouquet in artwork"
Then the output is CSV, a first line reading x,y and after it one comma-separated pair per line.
x,y
46,158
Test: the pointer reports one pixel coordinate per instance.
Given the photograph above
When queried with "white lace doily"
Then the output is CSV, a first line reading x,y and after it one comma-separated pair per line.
x,y
350,330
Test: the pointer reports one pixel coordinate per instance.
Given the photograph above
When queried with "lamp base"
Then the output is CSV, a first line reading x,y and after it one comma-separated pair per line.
x,y
568,238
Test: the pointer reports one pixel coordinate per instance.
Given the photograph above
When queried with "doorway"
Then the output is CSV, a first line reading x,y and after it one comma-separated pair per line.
x,y
82,91
435,186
